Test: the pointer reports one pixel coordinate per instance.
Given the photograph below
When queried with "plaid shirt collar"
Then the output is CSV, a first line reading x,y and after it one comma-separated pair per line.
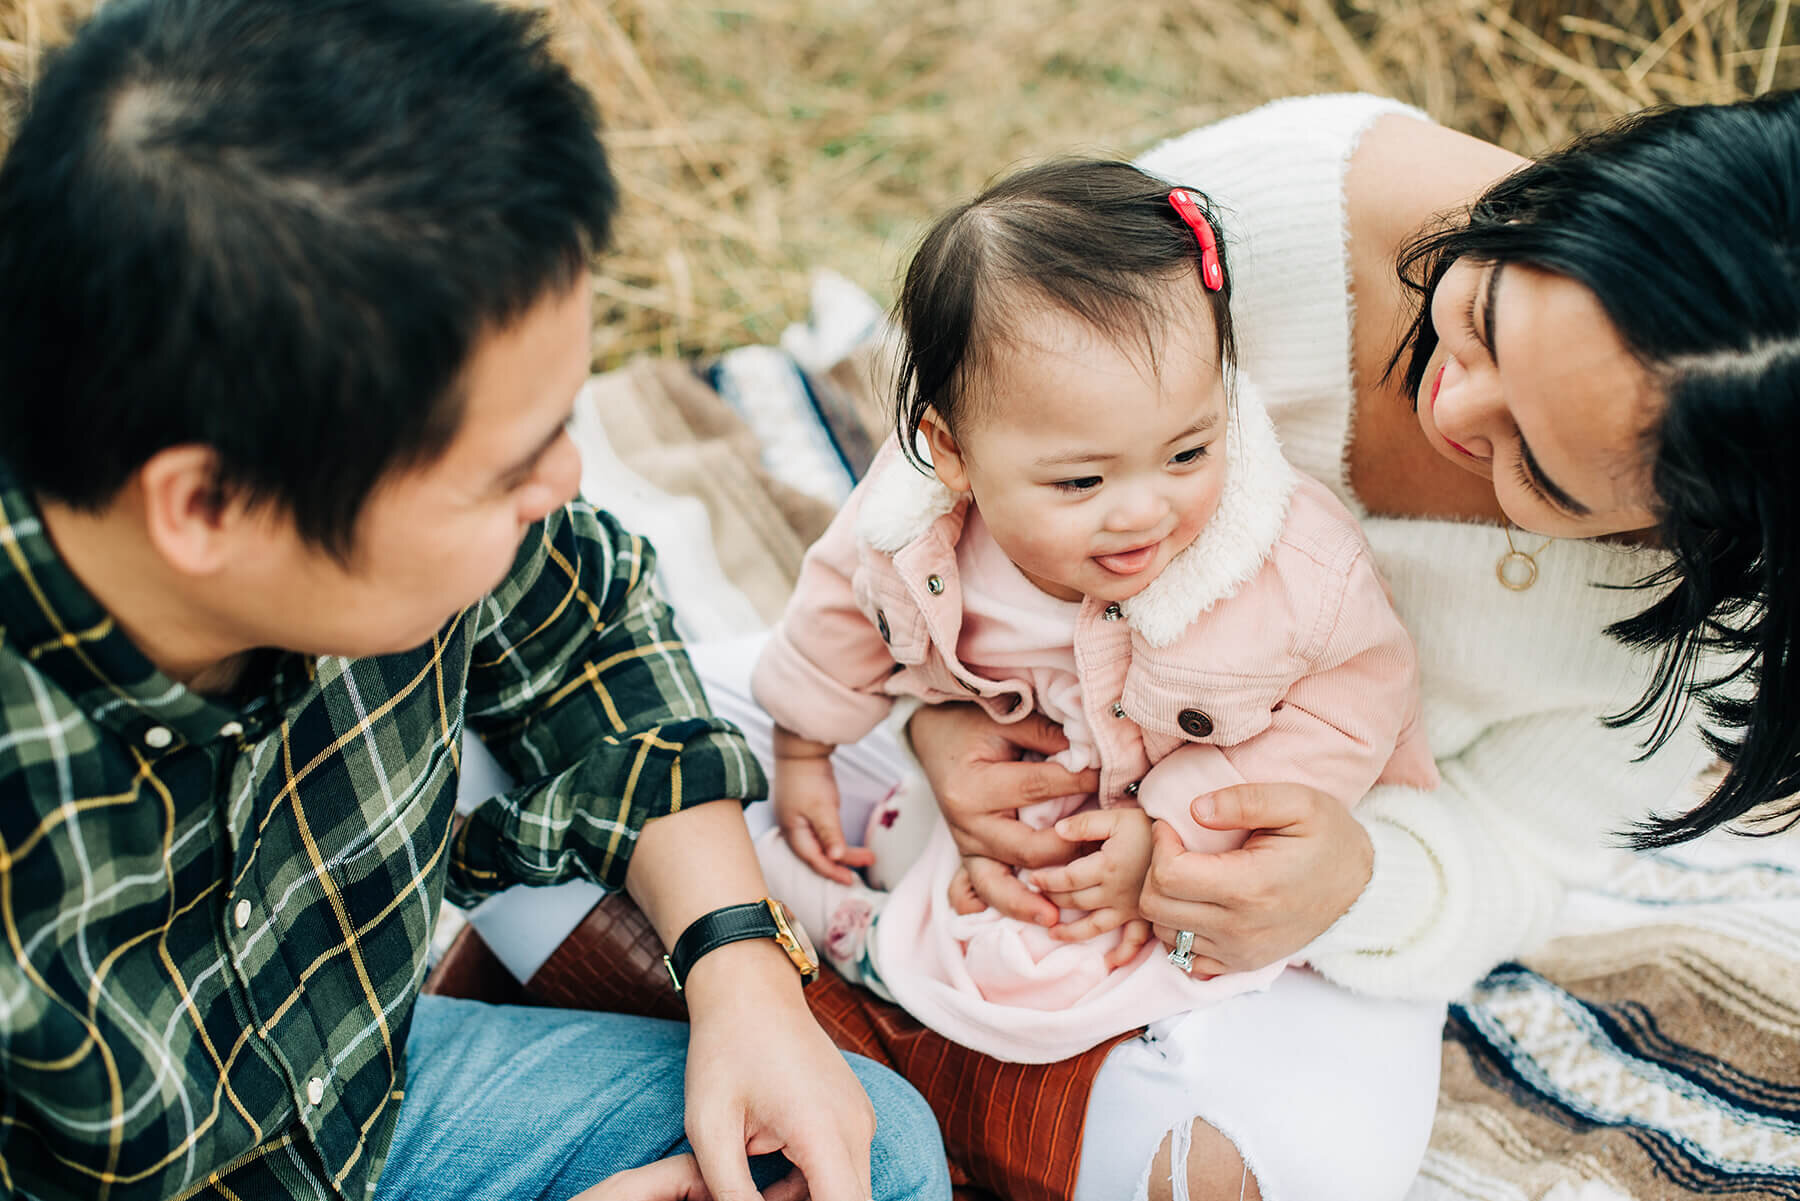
x,y
70,637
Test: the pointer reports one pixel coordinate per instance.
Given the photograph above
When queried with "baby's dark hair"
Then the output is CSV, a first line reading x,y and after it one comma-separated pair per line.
x,y
1095,238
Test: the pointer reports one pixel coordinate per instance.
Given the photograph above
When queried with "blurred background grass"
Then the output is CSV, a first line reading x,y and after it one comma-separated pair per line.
x,y
759,139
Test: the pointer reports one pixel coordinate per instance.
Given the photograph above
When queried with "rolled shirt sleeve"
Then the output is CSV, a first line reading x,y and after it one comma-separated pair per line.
x,y
584,692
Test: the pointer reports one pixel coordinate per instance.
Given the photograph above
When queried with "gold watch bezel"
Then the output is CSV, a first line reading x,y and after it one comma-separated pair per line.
x,y
793,939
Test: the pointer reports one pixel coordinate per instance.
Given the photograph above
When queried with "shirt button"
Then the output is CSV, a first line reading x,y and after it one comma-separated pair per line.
x,y
1113,613
241,914
935,585
158,737
1118,709
1131,789
231,729
1194,722
315,1090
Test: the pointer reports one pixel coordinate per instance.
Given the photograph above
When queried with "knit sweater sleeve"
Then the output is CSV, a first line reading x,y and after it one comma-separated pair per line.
x,y
1475,871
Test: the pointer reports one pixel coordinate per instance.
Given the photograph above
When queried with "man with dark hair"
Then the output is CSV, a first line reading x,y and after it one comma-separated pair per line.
x,y
293,309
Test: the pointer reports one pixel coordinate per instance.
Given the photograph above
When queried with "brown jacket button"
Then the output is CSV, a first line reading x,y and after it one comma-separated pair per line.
x,y
1195,723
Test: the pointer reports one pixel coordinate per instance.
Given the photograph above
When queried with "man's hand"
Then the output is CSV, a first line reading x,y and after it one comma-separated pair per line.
x,y
1305,862
677,1179
973,764
762,1076
805,795
1107,881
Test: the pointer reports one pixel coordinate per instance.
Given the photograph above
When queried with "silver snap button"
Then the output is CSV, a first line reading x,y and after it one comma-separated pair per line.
x,y
935,585
158,737
1118,709
1131,789
241,914
231,729
1113,613
315,1090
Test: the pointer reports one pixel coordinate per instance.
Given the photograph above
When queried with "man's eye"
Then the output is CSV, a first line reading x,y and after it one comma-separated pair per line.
x,y
1084,484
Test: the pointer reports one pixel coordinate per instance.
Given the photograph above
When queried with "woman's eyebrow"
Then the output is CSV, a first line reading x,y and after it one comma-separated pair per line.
x,y
1487,314
1554,493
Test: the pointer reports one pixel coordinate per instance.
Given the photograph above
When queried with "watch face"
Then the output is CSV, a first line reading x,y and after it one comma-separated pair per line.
x,y
794,939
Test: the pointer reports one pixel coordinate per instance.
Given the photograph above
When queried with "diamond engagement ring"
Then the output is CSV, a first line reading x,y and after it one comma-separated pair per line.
x,y
1182,956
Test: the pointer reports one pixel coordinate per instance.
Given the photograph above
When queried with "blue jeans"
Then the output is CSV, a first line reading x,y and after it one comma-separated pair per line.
x,y
511,1104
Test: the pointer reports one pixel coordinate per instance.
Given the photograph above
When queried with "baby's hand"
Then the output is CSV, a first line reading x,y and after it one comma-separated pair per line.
x,y
1106,882
806,808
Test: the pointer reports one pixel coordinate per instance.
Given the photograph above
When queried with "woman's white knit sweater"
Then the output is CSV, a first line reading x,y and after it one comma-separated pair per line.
x,y
1535,788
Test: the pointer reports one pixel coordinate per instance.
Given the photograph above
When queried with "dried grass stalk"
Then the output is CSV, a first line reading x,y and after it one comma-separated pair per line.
x,y
759,140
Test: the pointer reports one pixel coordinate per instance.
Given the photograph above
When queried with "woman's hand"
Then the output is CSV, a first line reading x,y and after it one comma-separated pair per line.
x,y
973,764
677,1179
1305,862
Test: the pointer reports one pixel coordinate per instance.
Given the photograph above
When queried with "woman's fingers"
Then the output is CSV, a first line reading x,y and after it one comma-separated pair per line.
x,y
1009,840
1094,924
1085,872
1001,889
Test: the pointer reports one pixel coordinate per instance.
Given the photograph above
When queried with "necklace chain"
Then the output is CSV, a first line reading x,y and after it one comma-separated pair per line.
x,y
1517,570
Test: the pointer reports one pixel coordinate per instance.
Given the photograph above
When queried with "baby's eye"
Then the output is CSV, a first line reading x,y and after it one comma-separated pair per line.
x,y
1187,457
1085,484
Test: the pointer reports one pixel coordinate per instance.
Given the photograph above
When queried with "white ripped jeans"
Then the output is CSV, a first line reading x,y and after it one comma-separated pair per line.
x,y
1326,1094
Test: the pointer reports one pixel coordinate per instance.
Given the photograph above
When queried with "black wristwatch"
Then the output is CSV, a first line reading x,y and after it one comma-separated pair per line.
x,y
767,918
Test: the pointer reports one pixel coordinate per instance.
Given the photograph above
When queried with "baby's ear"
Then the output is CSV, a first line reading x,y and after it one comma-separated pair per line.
x,y
946,455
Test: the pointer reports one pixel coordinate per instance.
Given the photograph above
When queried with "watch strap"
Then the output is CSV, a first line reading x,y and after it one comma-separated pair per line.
x,y
710,931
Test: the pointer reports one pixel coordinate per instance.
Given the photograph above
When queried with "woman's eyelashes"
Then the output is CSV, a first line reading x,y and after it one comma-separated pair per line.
x,y
1086,483
1522,473
1190,456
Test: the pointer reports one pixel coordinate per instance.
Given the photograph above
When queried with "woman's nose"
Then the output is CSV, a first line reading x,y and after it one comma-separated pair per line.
x,y
1468,408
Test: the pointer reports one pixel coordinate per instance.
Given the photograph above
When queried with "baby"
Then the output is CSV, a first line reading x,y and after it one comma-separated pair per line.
x,y
1082,518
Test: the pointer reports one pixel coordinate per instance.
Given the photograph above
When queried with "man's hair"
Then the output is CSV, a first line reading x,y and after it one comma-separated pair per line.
x,y
1685,225
278,228
1094,238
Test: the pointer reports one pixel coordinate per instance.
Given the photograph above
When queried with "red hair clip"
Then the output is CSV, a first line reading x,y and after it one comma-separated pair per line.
x,y
1212,274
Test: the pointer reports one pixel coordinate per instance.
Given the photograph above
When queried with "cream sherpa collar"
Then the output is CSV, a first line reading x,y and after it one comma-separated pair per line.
x,y
900,504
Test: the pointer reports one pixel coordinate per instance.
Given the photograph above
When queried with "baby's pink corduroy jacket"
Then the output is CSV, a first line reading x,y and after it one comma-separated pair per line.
x,y
1267,651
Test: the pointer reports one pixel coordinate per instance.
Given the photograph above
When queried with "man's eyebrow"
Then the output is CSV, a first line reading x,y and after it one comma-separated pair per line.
x,y
1552,492
523,467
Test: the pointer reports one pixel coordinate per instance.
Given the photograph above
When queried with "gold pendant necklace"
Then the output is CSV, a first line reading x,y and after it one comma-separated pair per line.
x,y
1517,569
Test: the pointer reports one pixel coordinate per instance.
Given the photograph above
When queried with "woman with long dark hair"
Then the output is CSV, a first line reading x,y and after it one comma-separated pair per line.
x,y
1561,395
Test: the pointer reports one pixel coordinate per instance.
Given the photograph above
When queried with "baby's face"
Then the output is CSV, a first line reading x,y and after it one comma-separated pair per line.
x,y
1093,468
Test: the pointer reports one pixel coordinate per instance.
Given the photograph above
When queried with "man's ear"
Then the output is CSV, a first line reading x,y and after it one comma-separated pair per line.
x,y
189,518
946,455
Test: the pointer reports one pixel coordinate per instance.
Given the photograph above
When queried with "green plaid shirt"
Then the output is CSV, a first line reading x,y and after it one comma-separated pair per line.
x,y
219,911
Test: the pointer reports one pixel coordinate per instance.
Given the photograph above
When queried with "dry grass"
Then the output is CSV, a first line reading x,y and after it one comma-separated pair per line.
x,y
759,138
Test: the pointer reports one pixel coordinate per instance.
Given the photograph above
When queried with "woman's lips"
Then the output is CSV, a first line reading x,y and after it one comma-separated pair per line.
x,y
1128,562
1436,383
